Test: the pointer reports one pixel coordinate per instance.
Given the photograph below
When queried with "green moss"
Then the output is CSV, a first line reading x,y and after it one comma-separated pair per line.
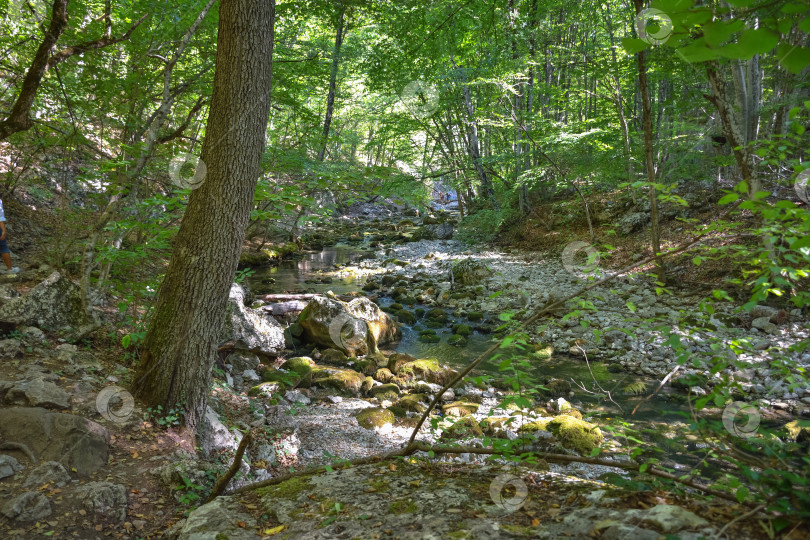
x,y
289,489
408,300
531,427
405,316
281,376
475,316
397,360
635,388
462,329
402,507
301,365
265,389
429,338
427,369
437,314
412,402
385,391
343,380
494,425
457,341
463,428
544,352
374,417
575,434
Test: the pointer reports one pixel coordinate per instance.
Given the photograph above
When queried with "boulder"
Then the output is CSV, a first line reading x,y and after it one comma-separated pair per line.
x,y
302,365
72,440
242,361
55,304
31,506
38,393
9,466
104,498
575,434
470,272
354,328
216,437
221,518
248,328
345,381
50,472
374,417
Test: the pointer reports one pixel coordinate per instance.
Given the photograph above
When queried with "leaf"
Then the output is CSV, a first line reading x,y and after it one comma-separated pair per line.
x,y
275,530
634,45
793,58
741,493
126,340
697,261
631,306
804,26
751,41
728,198
716,32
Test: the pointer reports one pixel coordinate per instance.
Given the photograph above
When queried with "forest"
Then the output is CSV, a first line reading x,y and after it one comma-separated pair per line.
x,y
405,270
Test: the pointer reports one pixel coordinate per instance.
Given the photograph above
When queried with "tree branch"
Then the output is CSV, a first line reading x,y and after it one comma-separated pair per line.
x,y
100,43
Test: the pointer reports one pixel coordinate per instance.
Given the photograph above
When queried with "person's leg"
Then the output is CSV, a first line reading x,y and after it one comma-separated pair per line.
x,y
7,259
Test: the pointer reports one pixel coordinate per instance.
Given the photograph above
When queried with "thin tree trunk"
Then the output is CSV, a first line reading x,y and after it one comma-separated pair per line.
x,y
180,346
648,157
330,97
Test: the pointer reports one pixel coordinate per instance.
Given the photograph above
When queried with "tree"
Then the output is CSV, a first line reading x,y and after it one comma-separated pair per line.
x,y
180,345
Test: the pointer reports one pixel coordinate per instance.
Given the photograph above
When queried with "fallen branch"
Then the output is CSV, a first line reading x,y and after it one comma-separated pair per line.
x,y
219,487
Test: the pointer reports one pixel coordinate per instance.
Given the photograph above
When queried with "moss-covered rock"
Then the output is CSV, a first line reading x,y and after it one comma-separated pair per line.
x,y
427,369
437,314
463,428
575,434
388,392
265,389
405,316
344,381
374,417
408,300
397,360
395,306
573,412
531,427
388,280
384,375
366,366
494,426
413,403
429,338
470,272
367,385
460,408
462,329
334,356
457,341
475,316
371,286
302,365
282,376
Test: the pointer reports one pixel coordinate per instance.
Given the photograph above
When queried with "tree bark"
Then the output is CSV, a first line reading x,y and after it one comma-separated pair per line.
x,y
330,97
180,345
648,156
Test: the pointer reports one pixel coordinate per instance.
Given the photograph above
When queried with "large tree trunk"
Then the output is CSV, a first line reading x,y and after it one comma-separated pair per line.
x,y
180,345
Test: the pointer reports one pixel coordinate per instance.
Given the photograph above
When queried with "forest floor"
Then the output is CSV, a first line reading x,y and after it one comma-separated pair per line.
x,y
163,480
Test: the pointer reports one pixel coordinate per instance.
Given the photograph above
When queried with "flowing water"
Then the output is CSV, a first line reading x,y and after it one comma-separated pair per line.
x,y
314,273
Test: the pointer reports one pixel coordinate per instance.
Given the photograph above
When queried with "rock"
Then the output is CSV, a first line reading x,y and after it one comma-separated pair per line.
x,y
575,434
242,361
50,472
385,392
33,333
9,466
768,312
437,314
558,387
10,348
463,428
764,324
265,452
293,396
248,328
427,369
345,381
265,389
470,272
374,417
384,375
72,440
368,384
250,376
633,221
216,437
38,393
31,506
334,356
457,341
53,304
413,403
355,328
460,408
104,498
397,360
219,519
302,365
8,292
671,519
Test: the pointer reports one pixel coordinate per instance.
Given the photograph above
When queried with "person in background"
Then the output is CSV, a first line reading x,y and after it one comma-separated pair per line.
x,y
5,253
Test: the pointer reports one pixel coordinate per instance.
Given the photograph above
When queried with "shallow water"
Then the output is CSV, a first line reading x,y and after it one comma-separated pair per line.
x,y
293,276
